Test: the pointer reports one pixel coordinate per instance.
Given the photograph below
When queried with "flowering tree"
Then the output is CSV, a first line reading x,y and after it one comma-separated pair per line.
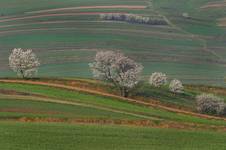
x,y
23,62
158,79
132,18
210,104
176,86
118,69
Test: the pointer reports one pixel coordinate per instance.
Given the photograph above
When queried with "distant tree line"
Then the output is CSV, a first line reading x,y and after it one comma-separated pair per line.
x,y
132,18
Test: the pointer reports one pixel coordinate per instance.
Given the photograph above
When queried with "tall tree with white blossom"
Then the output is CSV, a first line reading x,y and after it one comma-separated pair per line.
x,y
24,62
118,69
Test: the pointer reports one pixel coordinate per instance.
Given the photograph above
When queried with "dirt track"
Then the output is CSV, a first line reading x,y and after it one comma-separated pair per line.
x,y
115,96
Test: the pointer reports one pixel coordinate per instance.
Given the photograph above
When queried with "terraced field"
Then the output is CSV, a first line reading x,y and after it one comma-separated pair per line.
x,y
66,36
79,113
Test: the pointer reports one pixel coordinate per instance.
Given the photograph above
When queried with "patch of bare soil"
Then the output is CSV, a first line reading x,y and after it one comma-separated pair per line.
x,y
218,4
12,92
222,22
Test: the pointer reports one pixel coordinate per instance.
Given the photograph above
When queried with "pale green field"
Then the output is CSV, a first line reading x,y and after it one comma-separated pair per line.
x,y
192,50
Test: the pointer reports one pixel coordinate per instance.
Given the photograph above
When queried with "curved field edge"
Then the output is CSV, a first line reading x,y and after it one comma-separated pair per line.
x,y
43,136
108,102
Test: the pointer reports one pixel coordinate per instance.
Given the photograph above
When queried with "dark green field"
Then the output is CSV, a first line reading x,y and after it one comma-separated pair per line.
x,y
42,136
66,40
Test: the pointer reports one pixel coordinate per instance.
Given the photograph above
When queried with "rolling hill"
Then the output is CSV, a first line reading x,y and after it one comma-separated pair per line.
x,y
48,114
66,35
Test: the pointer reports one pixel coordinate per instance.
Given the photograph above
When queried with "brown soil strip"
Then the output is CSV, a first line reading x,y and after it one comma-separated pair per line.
x,y
138,123
12,92
218,4
91,7
115,96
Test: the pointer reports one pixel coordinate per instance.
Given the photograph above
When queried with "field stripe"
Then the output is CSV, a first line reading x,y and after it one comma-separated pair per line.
x,y
53,15
161,35
42,99
115,96
91,7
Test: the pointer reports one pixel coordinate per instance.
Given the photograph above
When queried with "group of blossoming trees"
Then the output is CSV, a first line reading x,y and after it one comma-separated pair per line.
x,y
120,70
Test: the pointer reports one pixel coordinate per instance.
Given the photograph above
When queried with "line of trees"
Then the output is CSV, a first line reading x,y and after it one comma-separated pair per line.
x,y
158,79
123,72
132,18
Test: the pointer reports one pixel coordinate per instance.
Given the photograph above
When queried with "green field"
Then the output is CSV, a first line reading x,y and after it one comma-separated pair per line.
x,y
192,50
42,136
112,103
45,117
65,109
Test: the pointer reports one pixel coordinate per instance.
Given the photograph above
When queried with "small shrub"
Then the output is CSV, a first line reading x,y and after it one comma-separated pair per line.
x,y
210,104
186,15
176,86
158,79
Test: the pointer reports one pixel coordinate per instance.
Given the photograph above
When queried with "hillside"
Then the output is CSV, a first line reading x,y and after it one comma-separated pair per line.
x,y
66,35
74,112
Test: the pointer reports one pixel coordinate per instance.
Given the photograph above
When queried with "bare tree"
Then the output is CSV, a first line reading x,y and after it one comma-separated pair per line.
x,y
23,62
118,69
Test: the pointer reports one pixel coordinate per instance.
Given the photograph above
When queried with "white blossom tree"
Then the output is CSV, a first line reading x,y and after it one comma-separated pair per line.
x,y
23,62
158,79
176,86
118,69
210,104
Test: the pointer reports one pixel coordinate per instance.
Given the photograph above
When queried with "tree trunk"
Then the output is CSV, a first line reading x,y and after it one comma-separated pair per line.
x,y
121,91
22,73
124,92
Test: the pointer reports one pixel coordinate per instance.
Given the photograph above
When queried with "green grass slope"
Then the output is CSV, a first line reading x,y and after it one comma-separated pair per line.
x,y
43,117
151,113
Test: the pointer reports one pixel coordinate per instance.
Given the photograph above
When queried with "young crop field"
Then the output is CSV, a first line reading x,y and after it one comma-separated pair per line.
x,y
81,113
70,137
112,74
66,35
